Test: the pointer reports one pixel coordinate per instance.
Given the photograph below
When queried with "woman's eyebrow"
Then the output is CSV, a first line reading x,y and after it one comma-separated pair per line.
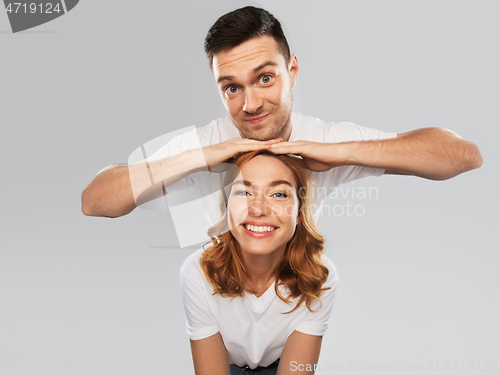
x,y
280,182
271,184
242,182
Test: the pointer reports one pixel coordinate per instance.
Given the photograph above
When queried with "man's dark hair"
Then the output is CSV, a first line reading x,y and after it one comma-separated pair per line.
x,y
240,25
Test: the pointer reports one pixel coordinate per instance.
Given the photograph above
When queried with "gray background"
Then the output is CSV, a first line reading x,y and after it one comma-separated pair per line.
x,y
419,271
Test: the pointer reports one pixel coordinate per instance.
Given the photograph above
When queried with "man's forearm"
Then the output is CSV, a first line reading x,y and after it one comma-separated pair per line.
x,y
119,189
433,153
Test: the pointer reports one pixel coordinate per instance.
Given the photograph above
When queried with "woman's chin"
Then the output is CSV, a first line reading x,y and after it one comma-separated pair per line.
x,y
256,249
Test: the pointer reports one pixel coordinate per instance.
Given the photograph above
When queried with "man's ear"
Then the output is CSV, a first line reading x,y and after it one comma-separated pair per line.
x,y
293,69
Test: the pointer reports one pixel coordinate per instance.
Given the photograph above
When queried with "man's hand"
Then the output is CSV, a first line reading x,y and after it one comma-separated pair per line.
x,y
317,157
432,153
119,189
224,151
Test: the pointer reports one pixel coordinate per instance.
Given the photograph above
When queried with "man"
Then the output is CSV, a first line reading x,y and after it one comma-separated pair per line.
x,y
255,73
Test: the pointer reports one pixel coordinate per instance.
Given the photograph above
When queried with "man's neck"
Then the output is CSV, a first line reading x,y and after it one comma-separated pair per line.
x,y
287,130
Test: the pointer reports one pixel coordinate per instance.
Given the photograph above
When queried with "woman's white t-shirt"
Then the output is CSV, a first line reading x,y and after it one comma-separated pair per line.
x,y
254,330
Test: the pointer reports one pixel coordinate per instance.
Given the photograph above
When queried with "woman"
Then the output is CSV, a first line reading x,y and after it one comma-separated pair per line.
x,y
260,297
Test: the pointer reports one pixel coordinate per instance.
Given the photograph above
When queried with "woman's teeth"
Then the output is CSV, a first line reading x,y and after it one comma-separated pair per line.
x,y
258,229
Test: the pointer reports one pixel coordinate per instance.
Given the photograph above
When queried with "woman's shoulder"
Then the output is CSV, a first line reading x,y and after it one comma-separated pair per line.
x,y
191,264
333,276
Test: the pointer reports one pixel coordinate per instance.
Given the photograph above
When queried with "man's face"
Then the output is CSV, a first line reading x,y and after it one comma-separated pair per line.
x,y
256,84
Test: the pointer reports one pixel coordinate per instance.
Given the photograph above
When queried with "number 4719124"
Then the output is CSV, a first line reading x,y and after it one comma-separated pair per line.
x,y
33,8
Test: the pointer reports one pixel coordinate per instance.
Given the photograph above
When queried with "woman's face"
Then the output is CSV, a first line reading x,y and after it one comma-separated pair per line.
x,y
263,206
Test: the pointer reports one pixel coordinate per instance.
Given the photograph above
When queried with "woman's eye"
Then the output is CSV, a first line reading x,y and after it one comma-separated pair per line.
x,y
280,195
241,192
265,79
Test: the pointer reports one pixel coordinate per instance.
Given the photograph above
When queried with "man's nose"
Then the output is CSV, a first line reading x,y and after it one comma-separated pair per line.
x,y
252,101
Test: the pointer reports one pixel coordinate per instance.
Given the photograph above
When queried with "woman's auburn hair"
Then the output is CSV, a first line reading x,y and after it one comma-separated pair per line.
x,y
301,269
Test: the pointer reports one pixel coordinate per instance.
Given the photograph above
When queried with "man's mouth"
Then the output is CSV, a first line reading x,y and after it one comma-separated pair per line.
x,y
258,119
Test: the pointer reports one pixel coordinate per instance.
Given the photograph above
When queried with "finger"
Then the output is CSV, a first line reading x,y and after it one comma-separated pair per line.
x,y
252,147
286,148
273,141
269,141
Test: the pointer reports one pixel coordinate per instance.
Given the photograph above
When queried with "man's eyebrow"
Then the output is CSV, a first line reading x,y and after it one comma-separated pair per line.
x,y
225,78
254,70
263,65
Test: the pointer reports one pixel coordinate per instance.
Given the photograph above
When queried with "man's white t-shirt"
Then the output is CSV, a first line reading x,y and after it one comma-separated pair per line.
x,y
254,330
207,185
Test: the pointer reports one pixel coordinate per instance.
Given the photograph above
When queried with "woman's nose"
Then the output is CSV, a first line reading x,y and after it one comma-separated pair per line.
x,y
258,206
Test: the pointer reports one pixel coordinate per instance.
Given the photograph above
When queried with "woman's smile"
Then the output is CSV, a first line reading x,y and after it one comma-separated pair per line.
x,y
259,230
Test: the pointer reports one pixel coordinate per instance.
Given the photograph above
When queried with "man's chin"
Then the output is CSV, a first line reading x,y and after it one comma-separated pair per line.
x,y
258,137
260,134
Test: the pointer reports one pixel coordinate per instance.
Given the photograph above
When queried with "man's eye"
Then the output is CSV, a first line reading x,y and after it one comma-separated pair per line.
x,y
265,79
231,90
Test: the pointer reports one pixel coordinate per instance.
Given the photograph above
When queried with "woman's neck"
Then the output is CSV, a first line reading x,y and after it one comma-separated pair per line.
x,y
261,269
